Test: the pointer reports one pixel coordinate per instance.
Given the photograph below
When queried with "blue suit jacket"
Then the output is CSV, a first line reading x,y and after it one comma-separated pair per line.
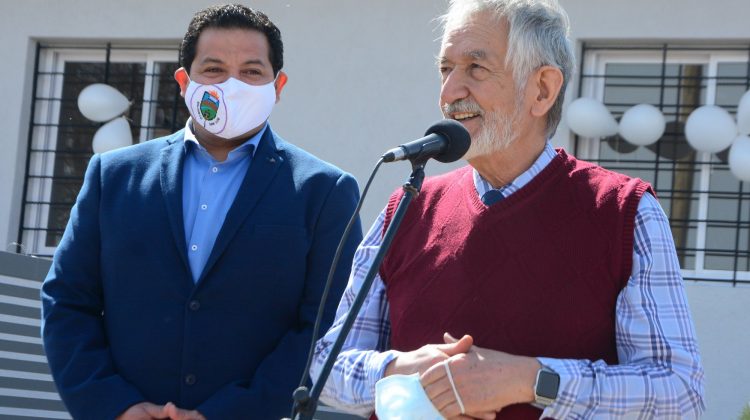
x,y
123,321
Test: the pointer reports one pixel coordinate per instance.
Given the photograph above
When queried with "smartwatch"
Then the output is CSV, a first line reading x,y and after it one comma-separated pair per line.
x,y
546,386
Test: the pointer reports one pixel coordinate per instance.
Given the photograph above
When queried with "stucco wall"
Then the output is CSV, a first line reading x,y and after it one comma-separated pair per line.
x,y
721,320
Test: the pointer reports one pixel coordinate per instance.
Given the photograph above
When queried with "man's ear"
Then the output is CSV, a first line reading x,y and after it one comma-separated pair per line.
x,y
546,84
182,78
281,80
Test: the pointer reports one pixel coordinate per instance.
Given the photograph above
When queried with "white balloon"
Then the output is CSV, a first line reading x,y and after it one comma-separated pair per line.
x,y
743,114
590,118
642,125
710,129
739,158
100,102
112,135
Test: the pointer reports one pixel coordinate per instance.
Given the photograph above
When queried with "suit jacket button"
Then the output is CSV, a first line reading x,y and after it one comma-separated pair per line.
x,y
194,305
190,379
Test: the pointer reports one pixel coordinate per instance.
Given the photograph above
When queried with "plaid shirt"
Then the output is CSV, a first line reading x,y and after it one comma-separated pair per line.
x,y
660,372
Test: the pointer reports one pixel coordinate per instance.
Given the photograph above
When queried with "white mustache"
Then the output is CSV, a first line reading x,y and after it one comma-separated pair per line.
x,y
462,106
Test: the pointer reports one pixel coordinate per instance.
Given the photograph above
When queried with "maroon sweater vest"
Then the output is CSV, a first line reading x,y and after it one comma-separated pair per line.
x,y
537,274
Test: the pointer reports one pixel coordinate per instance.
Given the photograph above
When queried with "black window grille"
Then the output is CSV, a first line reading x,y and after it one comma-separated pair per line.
x,y
60,137
708,208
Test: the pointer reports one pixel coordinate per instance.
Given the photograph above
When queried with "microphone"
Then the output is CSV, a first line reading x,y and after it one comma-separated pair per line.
x,y
446,141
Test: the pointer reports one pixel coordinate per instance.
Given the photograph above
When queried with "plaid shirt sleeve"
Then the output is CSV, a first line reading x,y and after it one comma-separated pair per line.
x,y
365,354
660,373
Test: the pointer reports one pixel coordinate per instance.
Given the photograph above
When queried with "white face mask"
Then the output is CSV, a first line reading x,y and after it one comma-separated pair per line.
x,y
230,109
401,397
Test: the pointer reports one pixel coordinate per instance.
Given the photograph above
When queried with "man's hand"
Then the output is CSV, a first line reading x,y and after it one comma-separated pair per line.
x,y
418,361
486,381
149,411
143,411
180,414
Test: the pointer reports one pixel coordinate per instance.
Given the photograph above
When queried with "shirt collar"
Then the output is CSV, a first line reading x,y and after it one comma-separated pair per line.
x,y
482,186
247,148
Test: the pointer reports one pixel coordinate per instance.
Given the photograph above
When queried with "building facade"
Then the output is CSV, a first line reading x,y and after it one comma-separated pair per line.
x,y
362,80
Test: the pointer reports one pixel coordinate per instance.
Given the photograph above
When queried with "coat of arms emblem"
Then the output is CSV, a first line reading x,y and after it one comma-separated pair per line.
x,y
209,105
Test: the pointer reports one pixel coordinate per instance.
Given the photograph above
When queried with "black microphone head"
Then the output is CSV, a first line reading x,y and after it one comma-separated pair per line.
x,y
456,135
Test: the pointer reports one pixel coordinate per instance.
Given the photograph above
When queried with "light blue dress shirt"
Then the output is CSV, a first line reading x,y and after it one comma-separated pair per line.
x,y
208,191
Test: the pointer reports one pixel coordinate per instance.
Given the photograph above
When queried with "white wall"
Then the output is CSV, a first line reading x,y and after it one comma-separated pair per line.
x,y
720,313
363,79
658,20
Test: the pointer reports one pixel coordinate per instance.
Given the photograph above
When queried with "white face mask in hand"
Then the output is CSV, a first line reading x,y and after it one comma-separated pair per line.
x,y
230,109
401,397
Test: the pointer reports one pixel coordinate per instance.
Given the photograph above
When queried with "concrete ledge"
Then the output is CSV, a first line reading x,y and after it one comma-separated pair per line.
x,y
24,266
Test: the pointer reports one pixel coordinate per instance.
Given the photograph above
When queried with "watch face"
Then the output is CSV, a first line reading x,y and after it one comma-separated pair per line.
x,y
548,384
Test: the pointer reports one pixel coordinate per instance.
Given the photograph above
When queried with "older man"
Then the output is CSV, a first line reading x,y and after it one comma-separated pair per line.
x,y
561,277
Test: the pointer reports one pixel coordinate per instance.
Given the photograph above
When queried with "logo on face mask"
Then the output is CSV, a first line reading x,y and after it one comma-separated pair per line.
x,y
209,105
232,108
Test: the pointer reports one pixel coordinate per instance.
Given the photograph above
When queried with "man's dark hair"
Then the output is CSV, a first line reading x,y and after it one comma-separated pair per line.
x,y
232,16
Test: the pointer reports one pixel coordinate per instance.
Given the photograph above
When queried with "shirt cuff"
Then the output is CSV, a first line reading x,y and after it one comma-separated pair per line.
x,y
569,389
360,399
377,367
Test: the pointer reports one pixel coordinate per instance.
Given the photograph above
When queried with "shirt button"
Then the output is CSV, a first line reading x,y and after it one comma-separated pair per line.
x,y
190,379
194,305
194,247
203,206
214,169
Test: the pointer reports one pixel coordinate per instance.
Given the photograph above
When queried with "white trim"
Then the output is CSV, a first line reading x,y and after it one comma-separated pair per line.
x,y
20,320
148,90
43,137
29,412
705,175
20,338
14,281
12,355
26,393
12,300
32,376
720,275
701,230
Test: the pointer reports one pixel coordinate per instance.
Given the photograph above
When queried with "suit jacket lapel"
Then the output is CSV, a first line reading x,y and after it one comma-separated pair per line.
x,y
172,162
266,163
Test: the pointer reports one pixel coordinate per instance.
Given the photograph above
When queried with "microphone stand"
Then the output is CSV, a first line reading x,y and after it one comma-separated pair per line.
x,y
307,403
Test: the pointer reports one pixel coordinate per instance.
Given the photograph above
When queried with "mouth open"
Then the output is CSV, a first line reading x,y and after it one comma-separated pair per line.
x,y
464,116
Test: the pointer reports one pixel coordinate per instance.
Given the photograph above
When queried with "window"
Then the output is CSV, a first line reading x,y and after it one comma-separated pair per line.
x,y
708,208
60,137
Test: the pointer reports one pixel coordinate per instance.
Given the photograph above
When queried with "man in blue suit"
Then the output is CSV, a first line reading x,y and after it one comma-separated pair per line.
x,y
188,279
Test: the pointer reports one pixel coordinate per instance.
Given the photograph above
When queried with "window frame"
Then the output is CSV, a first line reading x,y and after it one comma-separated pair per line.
x,y
592,84
49,79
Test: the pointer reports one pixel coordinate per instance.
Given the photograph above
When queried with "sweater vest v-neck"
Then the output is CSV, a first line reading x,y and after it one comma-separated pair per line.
x,y
536,274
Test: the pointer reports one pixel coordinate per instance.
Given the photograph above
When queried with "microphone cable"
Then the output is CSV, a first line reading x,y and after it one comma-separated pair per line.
x,y
329,281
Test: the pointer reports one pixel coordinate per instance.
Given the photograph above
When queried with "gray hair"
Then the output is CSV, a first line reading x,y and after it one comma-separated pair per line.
x,y
538,36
